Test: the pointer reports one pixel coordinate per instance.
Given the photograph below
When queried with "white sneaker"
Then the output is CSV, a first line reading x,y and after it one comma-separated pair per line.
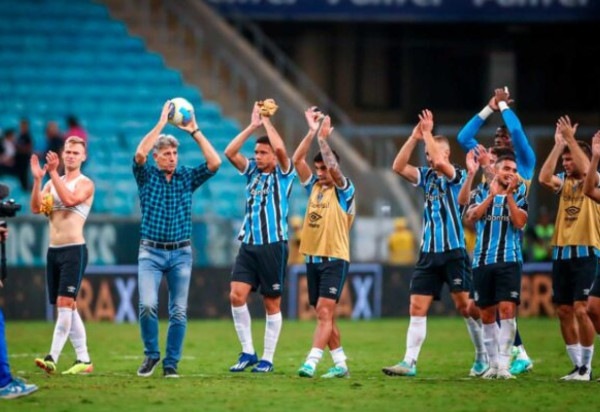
x,y
490,373
584,374
569,376
504,374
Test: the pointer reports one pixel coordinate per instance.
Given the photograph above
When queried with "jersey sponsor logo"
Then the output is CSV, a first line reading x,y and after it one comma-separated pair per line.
x,y
572,210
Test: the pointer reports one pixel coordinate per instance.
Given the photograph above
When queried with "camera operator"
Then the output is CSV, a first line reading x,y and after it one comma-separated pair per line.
x,y
10,387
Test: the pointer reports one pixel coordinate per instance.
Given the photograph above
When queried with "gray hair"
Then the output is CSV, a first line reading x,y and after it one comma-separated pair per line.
x,y
165,140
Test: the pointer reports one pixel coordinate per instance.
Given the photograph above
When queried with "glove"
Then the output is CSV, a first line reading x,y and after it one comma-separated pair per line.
x,y
47,204
268,107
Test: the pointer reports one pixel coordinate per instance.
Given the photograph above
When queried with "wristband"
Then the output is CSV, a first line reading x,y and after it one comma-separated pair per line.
x,y
486,112
194,132
503,106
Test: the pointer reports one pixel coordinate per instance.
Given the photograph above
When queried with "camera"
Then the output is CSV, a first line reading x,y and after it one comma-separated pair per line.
x,y
8,208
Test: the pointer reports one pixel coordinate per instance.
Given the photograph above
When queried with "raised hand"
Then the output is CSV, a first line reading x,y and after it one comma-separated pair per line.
x,y
164,114
255,118
596,144
558,139
37,172
566,128
513,182
502,95
417,133
426,120
52,161
313,117
495,188
190,126
472,161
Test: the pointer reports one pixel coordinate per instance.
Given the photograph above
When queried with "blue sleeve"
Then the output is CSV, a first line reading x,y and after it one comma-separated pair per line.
x,y
140,172
200,175
250,168
422,175
466,135
523,152
346,197
309,185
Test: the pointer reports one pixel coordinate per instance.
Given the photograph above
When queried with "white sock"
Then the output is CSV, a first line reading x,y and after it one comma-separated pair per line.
x,y
587,353
339,357
508,329
574,352
61,331
243,327
314,356
417,331
522,354
272,329
78,338
475,328
490,338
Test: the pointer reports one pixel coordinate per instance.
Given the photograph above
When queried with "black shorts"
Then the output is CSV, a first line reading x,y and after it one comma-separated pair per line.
x,y
262,266
498,282
572,279
326,280
64,270
434,269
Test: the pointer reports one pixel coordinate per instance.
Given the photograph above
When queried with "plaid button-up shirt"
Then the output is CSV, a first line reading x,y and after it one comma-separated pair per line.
x,y
167,206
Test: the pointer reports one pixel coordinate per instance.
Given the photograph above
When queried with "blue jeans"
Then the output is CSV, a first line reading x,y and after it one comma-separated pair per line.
x,y
176,266
5,376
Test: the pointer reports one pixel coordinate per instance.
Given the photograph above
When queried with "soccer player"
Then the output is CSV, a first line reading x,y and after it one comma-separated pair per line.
x,y
443,257
67,201
591,188
165,190
576,244
10,388
262,257
325,242
499,211
511,136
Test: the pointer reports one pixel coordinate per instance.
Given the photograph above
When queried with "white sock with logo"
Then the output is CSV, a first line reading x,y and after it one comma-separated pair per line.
x,y
78,337
243,326
272,329
61,331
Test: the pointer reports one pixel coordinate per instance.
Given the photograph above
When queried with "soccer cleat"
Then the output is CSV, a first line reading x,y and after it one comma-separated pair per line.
x,y
148,366
479,368
47,364
490,373
504,374
80,368
401,369
337,372
583,374
170,372
244,361
306,371
569,376
263,367
17,388
519,366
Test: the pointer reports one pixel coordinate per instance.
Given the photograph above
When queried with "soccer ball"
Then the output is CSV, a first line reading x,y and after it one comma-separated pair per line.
x,y
180,112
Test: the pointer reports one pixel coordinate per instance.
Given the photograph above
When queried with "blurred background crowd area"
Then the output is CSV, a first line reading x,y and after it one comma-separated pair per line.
x,y
102,70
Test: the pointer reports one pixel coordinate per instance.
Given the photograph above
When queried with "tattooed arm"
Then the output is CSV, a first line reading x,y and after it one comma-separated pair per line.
x,y
328,156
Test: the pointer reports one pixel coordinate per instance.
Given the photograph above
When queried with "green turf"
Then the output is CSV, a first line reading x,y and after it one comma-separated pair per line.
x,y
211,347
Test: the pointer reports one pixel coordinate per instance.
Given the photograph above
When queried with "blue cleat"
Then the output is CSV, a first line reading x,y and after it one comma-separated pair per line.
x,y
306,371
246,360
17,388
263,367
519,366
479,368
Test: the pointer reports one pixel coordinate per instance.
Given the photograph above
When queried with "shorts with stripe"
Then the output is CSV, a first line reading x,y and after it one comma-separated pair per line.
x,y
65,267
262,266
326,280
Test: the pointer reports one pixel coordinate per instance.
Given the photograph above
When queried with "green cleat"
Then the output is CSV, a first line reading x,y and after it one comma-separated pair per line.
x,y
519,366
306,371
47,364
336,372
80,368
401,369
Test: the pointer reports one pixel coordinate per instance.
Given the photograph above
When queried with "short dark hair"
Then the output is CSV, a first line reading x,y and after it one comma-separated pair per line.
x,y
319,157
585,146
264,140
499,151
505,157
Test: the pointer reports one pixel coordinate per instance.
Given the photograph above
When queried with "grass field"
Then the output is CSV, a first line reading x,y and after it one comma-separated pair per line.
x,y
211,347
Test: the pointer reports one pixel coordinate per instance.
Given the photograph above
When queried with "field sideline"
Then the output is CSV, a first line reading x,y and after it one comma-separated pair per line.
x,y
211,347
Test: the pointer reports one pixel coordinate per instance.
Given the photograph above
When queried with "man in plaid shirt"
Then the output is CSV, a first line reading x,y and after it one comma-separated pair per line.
x,y
165,192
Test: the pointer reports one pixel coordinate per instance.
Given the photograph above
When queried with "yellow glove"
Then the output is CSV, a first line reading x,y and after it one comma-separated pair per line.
x,y
47,203
268,107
